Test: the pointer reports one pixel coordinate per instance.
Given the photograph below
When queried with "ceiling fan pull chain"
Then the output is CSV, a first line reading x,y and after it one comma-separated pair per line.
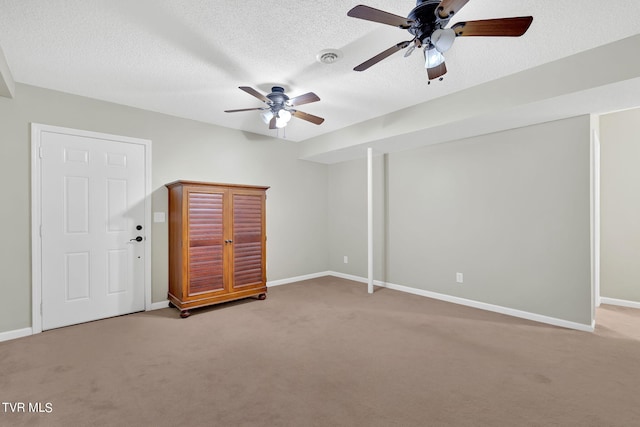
x,y
409,51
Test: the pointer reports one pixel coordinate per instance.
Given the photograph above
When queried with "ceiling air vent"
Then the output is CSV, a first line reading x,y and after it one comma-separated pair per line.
x,y
329,56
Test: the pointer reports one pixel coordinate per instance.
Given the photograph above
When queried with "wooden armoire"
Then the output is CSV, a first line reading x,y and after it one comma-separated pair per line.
x,y
217,243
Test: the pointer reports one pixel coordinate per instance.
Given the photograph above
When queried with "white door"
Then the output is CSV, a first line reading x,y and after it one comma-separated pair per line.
x,y
92,211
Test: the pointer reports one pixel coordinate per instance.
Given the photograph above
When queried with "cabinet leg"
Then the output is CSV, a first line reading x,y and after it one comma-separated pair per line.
x,y
262,296
185,313
171,305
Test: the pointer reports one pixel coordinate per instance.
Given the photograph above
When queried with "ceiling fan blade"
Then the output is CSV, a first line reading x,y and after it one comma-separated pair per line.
x,y
501,27
382,55
242,109
376,15
304,99
448,8
437,71
308,117
252,91
272,123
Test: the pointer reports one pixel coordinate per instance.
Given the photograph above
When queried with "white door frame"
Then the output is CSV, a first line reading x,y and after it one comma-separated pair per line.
x,y
595,217
36,212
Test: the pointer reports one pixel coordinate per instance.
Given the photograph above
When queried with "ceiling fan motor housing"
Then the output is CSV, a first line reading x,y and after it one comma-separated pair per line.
x,y
278,98
426,20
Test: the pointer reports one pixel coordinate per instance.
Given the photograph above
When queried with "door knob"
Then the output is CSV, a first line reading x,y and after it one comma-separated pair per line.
x,y
137,239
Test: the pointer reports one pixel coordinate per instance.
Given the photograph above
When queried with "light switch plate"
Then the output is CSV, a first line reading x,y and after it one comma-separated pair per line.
x,y
159,217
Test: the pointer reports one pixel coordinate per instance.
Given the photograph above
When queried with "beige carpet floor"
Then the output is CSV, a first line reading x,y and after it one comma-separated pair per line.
x,y
324,353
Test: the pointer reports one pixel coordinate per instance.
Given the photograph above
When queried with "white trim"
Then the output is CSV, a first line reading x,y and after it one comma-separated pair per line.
x,y
147,214
370,220
36,241
494,308
18,333
476,304
595,220
36,212
280,282
620,302
349,277
159,305
455,300
5,336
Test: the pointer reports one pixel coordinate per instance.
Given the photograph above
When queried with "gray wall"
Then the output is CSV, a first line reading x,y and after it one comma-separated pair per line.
x,y
182,149
510,210
348,216
620,205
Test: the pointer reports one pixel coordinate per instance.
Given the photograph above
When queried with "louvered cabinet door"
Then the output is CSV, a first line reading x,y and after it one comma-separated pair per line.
x,y
205,242
248,239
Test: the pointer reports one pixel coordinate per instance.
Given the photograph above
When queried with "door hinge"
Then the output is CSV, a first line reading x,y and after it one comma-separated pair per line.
x,y
40,152
40,309
40,230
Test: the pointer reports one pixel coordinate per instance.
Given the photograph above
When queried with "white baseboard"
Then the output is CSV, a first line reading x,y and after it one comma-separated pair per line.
x,y
620,302
159,305
272,283
350,277
18,333
475,304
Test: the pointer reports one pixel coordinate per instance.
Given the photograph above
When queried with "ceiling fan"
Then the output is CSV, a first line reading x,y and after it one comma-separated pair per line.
x,y
427,23
280,108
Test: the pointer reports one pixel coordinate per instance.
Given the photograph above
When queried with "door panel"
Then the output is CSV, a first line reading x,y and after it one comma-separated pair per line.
x,y
206,247
248,247
76,209
76,276
93,197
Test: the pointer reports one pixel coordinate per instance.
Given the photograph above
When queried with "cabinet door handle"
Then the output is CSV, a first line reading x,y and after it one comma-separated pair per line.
x,y
228,241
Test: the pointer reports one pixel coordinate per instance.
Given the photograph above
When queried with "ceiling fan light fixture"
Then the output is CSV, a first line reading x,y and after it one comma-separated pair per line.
x,y
433,58
442,39
283,118
266,115
281,123
284,115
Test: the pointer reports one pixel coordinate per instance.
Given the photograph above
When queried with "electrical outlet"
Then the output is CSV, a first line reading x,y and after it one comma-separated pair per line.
x,y
346,259
459,278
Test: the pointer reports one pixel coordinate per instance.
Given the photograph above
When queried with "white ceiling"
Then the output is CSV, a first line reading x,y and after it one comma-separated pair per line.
x,y
187,57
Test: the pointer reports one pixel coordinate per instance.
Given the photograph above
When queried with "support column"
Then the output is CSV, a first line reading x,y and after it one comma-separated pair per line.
x,y
370,219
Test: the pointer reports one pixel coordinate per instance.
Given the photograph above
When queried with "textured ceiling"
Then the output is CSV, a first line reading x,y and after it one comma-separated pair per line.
x,y
187,57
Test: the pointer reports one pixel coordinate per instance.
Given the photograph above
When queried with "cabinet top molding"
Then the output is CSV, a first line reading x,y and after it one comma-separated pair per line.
x,y
217,184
